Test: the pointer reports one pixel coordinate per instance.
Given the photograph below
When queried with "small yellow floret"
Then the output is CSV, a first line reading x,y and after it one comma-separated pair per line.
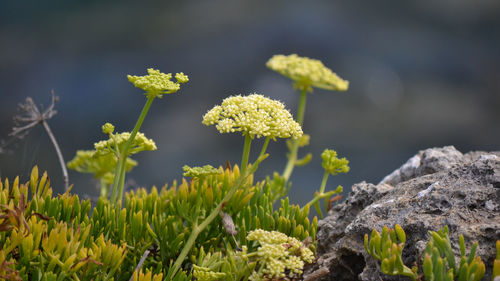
x,y
181,77
156,83
108,128
307,73
253,115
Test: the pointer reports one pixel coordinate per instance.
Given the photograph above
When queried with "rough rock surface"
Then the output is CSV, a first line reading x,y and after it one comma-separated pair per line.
x,y
436,187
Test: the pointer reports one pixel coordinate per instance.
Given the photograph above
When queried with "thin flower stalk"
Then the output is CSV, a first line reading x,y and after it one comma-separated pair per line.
x,y
332,165
305,73
122,157
295,142
155,84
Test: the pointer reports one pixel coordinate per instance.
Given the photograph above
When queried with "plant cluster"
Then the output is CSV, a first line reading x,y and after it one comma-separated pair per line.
x,y
218,224
438,260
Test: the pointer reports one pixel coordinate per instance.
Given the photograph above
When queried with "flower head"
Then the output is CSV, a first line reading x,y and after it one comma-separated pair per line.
x,y
332,164
278,255
307,73
102,166
206,274
157,84
140,143
253,115
197,172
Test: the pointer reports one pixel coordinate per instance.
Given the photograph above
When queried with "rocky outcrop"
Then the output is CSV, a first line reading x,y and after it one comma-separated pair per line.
x,y
436,187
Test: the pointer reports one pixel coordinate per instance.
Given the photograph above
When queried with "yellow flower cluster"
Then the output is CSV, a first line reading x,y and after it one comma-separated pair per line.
x,y
157,83
140,143
332,164
278,254
307,73
102,166
205,274
253,115
196,172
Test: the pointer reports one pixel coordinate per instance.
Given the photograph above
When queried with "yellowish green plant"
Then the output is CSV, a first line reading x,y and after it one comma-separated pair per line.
x,y
438,262
155,85
388,249
101,166
332,166
306,73
50,236
254,116
218,224
496,263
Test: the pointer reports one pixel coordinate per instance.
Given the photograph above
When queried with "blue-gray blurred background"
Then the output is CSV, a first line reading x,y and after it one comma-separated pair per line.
x,y
422,74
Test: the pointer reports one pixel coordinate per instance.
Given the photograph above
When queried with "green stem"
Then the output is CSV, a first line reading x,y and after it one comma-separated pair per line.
x,y
122,160
246,153
321,194
116,151
116,179
104,189
295,143
264,146
323,182
302,107
263,150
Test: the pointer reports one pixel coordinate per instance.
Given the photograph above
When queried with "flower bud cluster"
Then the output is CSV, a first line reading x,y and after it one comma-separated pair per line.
x,y
278,254
307,73
253,115
332,164
157,83
196,172
140,143
205,274
102,166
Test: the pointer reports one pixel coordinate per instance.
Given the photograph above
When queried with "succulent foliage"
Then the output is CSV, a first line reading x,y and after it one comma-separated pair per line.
x,y
46,237
438,263
219,224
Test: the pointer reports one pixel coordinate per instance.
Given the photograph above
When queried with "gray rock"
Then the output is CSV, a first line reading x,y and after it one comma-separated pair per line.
x,y
436,187
425,162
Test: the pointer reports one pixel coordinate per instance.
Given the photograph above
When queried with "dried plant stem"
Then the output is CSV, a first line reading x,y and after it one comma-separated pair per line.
x,y
318,274
59,154
139,265
31,116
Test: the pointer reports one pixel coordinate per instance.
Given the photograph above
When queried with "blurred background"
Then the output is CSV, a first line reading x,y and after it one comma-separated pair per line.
x,y
422,74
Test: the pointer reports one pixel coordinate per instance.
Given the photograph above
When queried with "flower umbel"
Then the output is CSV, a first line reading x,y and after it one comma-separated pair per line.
x,y
307,73
157,84
140,143
253,115
278,256
197,172
205,274
332,164
102,166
